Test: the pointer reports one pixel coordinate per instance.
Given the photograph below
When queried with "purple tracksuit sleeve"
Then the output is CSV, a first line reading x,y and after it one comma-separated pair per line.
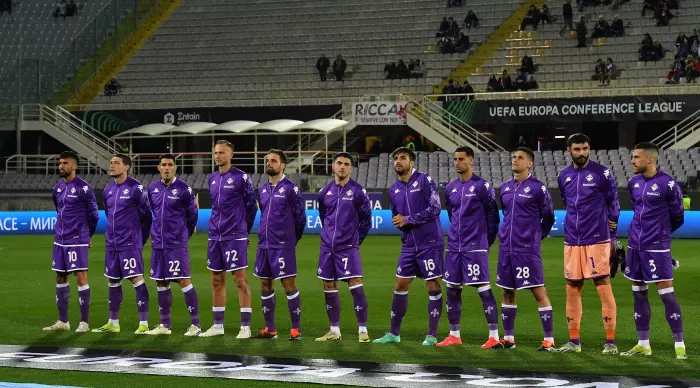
x,y
192,213
612,203
321,205
675,207
546,212
296,202
488,199
364,214
432,211
144,213
93,215
395,211
448,207
251,206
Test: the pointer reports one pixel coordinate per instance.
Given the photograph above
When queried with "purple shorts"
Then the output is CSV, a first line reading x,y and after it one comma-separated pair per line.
x,y
170,264
466,268
70,258
649,267
426,264
275,263
340,265
228,256
123,264
518,270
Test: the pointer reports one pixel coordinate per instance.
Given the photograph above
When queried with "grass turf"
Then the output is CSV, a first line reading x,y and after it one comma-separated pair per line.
x,y
28,303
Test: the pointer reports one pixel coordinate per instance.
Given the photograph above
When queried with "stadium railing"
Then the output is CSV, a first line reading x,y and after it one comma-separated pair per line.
x,y
46,164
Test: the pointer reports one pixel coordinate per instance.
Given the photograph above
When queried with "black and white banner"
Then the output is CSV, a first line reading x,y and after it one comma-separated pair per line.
x,y
366,374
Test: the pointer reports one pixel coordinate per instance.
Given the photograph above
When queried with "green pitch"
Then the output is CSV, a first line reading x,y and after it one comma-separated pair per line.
x,y
27,304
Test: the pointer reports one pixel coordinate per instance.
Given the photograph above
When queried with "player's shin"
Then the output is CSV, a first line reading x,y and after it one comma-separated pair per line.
x,y
115,298
84,301
268,308
333,309
546,316
192,303
434,311
673,314
62,296
454,308
508,313
399,306
642,313
488,301
360,305
574,311
609,311
294,305
165,302
142,301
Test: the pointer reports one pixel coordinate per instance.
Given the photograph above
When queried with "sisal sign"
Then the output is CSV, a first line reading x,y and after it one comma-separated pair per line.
x,y
379,113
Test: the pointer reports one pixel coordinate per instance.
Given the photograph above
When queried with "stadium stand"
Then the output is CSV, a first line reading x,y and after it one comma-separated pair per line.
x,y
563,66
236,50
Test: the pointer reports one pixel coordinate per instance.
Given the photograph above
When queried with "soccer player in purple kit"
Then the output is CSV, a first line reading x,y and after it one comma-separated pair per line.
x,y
658,212
346,215
174,218
415,205
473,212
282,222
589,192
528,216
233,210
75,224
128,226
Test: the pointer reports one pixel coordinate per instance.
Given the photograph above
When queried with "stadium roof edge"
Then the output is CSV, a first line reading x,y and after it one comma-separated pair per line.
x,y
237,126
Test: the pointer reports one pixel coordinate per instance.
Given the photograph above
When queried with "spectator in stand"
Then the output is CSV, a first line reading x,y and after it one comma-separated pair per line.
x,y
458,90
468,89
402,69
692,69
520,80
322,65
418,70
531,83
471,20
61,8
390,71
71,9
545,15
339,67
647,41
695,48
649,5
505,83
568,14
581,32
5,5
112,87
680,39
676,70
444,27
446,45
521,141
607,73
492,86
663,16
454,28
599,70
532,18
617,28
462,44
454,3
683,49
601,28
658,51
582,5
527,65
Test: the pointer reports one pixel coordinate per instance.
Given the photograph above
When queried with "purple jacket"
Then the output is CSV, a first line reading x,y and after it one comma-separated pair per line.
x,y
419,202
128,215
346,216
233,205
282,215
174,214
590,196
77,212
528,215
658,211
473,212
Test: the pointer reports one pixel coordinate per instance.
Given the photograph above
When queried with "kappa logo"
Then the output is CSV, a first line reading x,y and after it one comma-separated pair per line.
x,y
671,184
654,187
140,187
213,182
526,283
453,191
395,191
471,189
589,177
131,272
636,185
430,274
264,191
475,278
245,177
654,276
606,173
348,193
507,189
544,189
229,181
126,191
568,179
296,190
189,189
430,179
347,272
156,190
328,193
282,273
110,192
85,188
527,190
174,191
59,190
487,185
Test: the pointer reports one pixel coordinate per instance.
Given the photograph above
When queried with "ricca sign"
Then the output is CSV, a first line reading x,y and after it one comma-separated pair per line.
x,y
380,113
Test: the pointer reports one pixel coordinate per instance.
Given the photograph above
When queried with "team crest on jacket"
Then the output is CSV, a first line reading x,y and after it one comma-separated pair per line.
x,y
72,190
654,186
281,190
126,191
229,181
174,191
589,177
527,190
415,184
471,189
348,193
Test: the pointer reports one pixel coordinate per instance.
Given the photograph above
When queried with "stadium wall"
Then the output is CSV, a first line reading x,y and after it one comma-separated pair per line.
x,y
23,223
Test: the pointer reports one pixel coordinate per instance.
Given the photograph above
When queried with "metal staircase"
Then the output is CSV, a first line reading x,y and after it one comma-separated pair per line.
x,y
681,136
